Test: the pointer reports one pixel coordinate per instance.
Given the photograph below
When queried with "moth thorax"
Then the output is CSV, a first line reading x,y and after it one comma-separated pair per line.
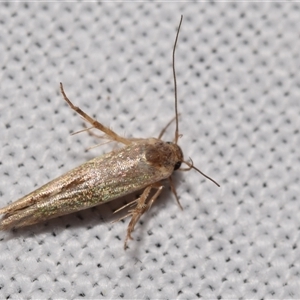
x,y
164,154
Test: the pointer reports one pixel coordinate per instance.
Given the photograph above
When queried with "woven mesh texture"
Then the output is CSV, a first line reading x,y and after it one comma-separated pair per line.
x,y
239,93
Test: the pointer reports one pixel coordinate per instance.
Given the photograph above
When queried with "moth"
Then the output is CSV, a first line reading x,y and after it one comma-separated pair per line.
x,y
142,164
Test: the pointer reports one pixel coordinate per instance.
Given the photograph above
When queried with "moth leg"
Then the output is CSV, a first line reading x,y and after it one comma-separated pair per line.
x,y
174,192
165,128
124,206
141,207
90,132
94,122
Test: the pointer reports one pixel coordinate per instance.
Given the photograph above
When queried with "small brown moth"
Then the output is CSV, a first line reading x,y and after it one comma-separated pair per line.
x,y
142,164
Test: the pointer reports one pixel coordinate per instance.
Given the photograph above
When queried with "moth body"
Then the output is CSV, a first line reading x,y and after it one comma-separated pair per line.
x,y
141,164
102,179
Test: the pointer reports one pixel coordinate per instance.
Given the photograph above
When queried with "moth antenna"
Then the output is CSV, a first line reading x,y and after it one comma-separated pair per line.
x,y
191,166
175,82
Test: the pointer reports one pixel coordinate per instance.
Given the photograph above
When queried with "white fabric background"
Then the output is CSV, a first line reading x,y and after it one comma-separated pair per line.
x,y
239,90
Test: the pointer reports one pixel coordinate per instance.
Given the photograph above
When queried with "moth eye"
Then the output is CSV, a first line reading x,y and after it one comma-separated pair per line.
x,y
177,165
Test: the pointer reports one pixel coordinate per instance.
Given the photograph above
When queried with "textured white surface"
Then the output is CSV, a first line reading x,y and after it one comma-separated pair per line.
x,y
239,90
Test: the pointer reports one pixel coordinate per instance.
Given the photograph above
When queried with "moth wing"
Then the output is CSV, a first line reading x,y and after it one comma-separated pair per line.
x,y
99,180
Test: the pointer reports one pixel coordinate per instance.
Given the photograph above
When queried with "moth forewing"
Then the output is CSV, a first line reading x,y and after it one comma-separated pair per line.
x,y
97,181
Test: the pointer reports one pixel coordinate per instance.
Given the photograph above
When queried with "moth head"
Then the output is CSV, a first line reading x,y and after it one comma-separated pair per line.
x,y
177,154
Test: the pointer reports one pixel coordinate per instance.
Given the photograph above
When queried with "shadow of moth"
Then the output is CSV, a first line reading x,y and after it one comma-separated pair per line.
x,y
141,164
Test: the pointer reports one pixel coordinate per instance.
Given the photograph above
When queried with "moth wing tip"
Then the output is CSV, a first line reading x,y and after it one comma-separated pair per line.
x,y
3,226
3,210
